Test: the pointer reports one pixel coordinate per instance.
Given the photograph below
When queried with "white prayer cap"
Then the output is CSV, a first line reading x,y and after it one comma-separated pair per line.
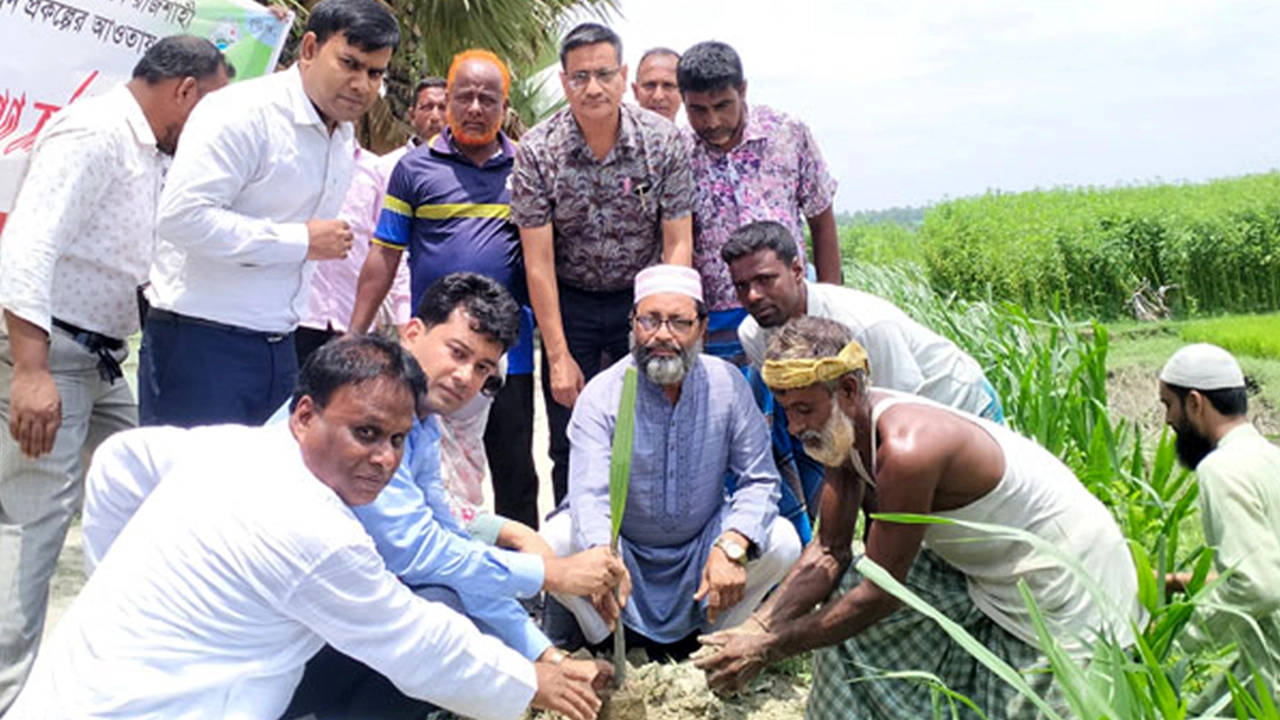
x,y
1202,367
668,279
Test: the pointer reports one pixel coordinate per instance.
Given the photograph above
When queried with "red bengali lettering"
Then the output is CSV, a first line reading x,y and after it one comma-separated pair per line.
x,y
10,117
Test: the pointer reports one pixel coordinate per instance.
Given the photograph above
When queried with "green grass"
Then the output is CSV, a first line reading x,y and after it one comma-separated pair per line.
x,y
1244,335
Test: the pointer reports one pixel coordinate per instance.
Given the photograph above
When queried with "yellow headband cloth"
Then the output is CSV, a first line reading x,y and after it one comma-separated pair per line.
x,y
803,372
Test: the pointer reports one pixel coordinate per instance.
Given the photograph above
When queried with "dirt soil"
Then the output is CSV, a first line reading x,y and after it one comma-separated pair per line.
x,y
1132,395
678,691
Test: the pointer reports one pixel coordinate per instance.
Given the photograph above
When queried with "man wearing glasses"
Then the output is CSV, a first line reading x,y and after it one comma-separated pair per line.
x,y
600,191
696,559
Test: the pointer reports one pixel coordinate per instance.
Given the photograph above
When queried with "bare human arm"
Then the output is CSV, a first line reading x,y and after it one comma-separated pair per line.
x,y
35,407
826,247
677,241
906,481
376,276
540,271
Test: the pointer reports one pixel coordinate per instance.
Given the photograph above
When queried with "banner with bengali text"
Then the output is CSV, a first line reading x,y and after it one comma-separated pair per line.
x,y
56,51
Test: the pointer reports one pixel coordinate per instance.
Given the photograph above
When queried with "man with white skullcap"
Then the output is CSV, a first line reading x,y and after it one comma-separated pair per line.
x,y
1203,392
696,559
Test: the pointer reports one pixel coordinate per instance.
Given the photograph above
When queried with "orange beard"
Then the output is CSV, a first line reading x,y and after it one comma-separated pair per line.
x,y
465,138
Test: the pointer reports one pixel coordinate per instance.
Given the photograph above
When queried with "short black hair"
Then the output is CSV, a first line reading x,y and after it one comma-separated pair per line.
x,y
368,24
434,81
709,66
180,56
589,34
354,360
657,51
763,235
1231,402
492,310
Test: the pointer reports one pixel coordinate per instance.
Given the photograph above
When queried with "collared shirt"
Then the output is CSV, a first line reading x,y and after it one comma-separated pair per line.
x,y
606,215
333,285
904,355
423,544
251,170
234,572
82,231
775,173
410,523
1240,510
452,215
676,502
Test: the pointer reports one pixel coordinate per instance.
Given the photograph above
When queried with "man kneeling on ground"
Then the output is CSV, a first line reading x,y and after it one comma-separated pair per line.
x,y
899,453
241,565
697,558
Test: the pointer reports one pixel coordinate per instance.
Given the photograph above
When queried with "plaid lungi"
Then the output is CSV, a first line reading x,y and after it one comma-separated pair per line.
x,y
847,680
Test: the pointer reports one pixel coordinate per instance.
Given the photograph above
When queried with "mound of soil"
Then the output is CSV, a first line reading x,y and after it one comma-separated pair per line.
x,y
678,691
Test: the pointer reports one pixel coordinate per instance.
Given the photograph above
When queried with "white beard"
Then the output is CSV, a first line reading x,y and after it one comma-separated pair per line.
x,y
832,445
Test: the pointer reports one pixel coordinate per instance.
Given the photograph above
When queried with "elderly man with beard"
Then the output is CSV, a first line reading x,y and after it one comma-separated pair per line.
x,y
696,559
906,454
1203,392
448,204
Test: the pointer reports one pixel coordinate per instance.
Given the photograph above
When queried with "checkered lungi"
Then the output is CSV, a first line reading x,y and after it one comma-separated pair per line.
x,y
846,677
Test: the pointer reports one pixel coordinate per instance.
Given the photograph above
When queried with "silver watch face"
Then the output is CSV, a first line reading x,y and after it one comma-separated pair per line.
x,y
733,550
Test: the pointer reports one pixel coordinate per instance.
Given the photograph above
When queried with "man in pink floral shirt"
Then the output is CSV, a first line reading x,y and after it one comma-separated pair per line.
x,y
749,164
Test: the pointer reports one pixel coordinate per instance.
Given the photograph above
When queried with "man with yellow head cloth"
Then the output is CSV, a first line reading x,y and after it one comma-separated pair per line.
x,y
898,453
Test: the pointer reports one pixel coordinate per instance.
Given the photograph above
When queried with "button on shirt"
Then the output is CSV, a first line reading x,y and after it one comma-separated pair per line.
x,y
776,173
81,234
606,215
251,170
236,570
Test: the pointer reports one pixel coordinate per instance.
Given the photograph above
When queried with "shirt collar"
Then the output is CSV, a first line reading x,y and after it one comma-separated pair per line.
x,y
1239,432
628,134
752,132
304,111
444,145
136,118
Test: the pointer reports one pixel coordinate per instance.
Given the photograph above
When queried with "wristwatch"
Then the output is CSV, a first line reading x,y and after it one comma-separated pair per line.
x,y
733,550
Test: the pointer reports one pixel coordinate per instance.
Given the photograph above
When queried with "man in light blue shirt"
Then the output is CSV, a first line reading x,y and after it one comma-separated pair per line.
x,y
463,326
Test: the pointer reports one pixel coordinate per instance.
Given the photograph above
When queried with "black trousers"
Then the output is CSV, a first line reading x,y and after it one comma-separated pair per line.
x,y
337,687
508,445
596,328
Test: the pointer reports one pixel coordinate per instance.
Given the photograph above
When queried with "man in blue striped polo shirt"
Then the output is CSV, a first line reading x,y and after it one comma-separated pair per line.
x,y
448,205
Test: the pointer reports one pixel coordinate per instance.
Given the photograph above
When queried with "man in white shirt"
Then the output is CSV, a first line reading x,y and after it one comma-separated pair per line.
x,y
1203,392
769,279
250,205
74,250
239,567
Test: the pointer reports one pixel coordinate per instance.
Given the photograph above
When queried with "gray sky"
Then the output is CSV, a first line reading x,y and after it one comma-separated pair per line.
x,y
914,101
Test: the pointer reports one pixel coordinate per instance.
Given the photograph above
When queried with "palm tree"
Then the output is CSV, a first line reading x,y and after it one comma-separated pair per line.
x,y
525,33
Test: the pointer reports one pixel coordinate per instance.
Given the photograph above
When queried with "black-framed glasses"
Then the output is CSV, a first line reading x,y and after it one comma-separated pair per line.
x,y
580,79
677,325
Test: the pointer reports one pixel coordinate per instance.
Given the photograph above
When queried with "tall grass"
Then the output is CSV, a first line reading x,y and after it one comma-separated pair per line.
x,y
1051,374
1085,251
1252,335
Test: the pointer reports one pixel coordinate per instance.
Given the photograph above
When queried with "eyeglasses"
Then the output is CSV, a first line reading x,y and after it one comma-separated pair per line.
x,y
677,325
580,79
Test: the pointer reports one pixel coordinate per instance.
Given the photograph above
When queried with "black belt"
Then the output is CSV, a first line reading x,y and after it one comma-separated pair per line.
x,y
98,344
156,313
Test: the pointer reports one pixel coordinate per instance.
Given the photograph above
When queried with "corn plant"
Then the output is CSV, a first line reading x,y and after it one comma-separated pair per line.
x,y
619,486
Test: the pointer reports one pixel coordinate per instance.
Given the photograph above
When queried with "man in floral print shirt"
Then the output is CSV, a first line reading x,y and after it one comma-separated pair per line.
x,y
749,164
600,191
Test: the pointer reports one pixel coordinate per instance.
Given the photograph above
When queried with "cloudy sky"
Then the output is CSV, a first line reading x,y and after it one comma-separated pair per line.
x,y
914,101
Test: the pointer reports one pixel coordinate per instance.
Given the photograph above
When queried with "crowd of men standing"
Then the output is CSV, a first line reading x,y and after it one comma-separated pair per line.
x,y
665,271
